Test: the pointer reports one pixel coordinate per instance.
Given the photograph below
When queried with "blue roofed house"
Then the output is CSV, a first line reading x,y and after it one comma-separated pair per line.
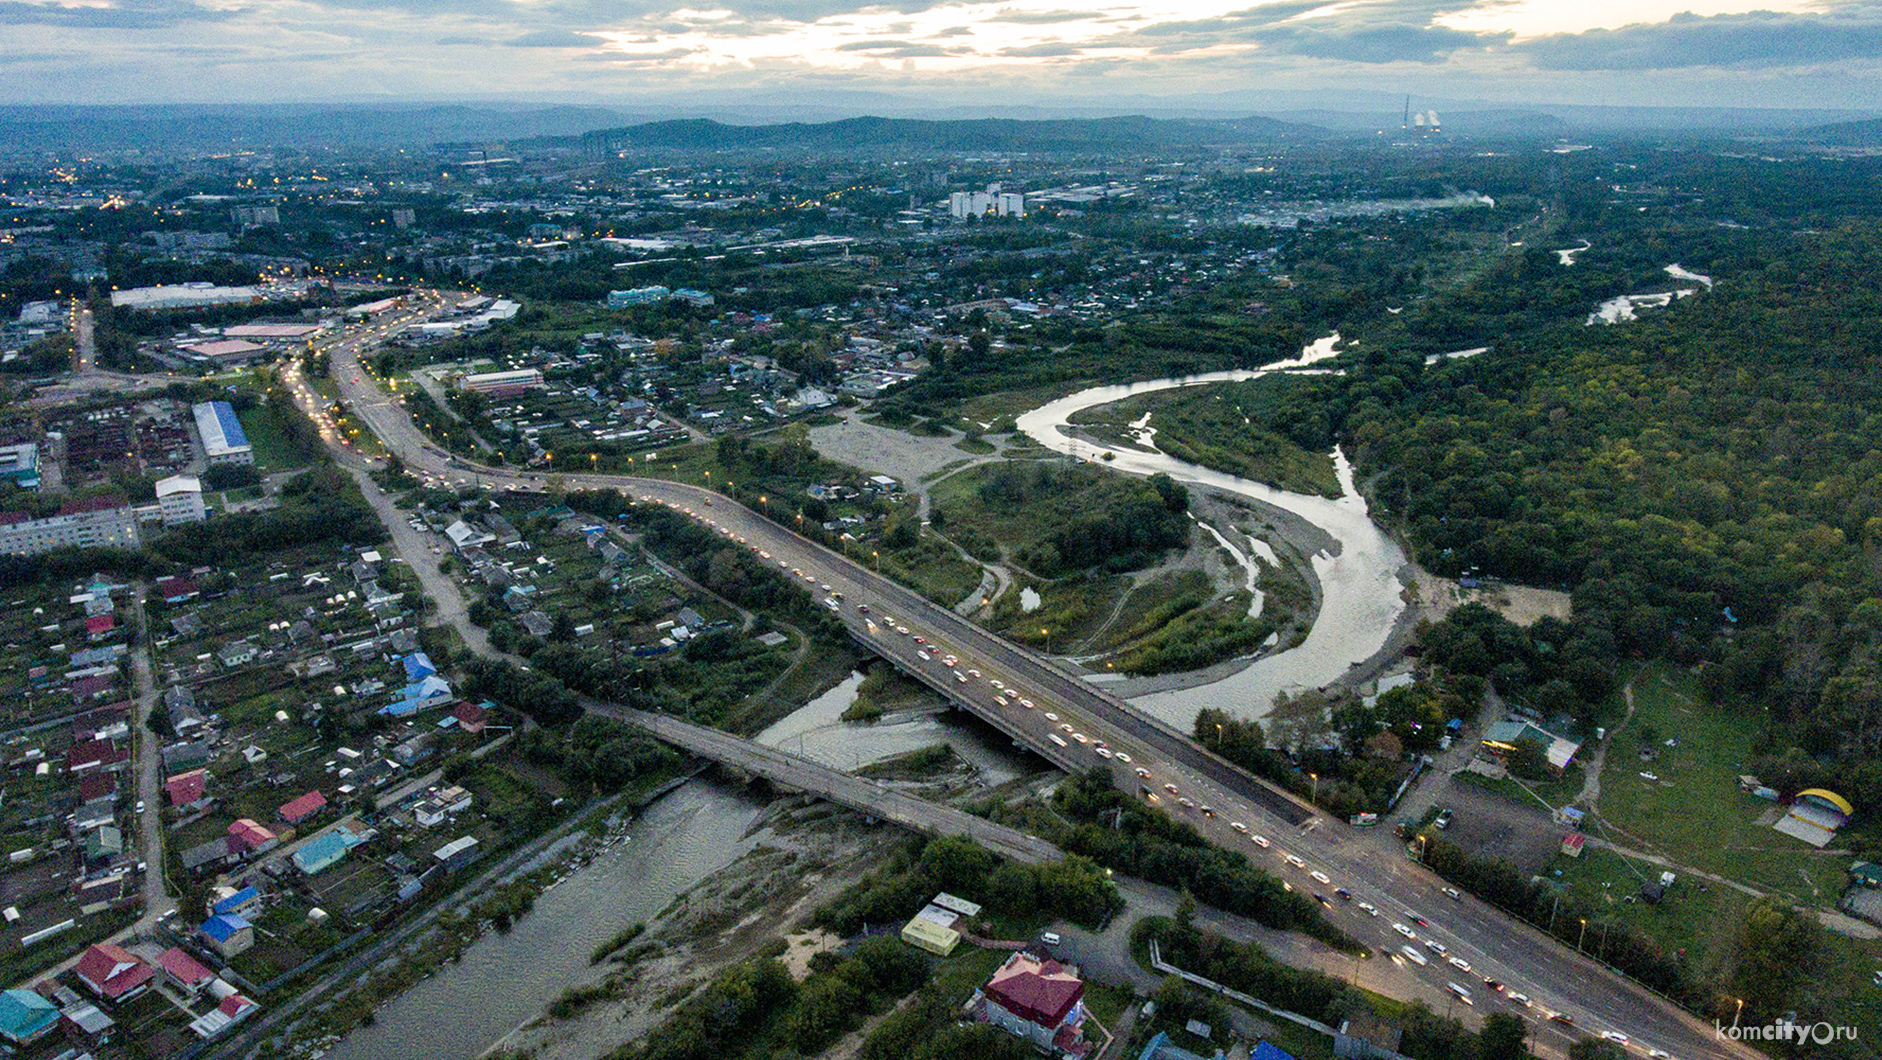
x,y
324,851
433,691
1161,1048
418,666
25,1016
245,902
228,934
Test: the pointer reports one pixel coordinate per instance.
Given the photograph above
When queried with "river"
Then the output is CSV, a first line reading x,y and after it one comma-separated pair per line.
x,y
1361,595
505,981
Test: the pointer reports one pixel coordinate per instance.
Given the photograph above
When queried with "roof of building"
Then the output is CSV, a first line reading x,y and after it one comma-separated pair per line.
x,y
1830,797
468,713
178,484
221,430
24,1014
301,809
455,847
1041,992
1368,1026
112,970
224,926
937,935
185,788
250,833
1267,1050
236,901
418,665
182,967
323,852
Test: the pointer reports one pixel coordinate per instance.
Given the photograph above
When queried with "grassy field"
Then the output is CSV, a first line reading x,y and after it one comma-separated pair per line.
x,y
1552,793
1703,923
272,451
1695,813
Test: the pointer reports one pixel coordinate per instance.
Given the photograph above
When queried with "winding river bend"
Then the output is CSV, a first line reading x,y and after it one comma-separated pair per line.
x,y
1361,592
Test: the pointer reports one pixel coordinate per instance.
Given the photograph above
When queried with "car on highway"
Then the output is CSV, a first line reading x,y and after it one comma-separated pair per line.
x,y
1121,756
1142,772
1405,931
1659,1054
1081,738
1436,947
1294,861
1185,803
1523,1000
1320,876
862,609
1260,840
1492,985
1024,702
1371,910
1239,827
903,630
1562,1018
1051,716
1102,752
1420,921
1459,963
1345,895
1322,899
1068,728
995,683
961,677
1614,1036
973,673
922,655
1413,956
952,660
1461,993
1055,738
1452,894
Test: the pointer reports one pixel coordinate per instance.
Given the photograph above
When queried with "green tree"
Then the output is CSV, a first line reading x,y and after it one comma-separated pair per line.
x,y
1504,1037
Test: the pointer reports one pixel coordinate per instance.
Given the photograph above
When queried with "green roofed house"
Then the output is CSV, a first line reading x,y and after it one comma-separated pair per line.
x,y
928,935
1500,739
25,1016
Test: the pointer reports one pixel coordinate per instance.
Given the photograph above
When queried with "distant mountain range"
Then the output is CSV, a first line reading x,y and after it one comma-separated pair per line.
x,y
766,123
984,134
1848,133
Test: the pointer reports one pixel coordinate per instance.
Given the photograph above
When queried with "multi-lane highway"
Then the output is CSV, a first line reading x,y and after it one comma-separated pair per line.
x,y
1369,887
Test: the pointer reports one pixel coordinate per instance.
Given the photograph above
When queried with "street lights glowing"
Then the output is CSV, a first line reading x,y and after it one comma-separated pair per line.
x,y
1583,935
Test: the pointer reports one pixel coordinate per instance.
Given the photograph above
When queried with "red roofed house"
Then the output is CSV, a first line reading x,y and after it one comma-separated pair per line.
x,y
1040,1001
97,785
187,789
183,971
95,754
470,717
98,627
247,837
114,973
304,807
176,590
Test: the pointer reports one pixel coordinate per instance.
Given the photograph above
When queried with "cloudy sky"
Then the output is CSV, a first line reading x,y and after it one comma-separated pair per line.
x,y
1047,52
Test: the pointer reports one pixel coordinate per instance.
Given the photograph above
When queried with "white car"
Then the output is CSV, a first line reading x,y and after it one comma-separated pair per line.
x,y
1614,1036
1413,956
1024,702
1144,773
922,655
1121,756
1239,827
1051,716
1659,1054
1260,840
1459,963
1405,931
1102,753
1523,1000
1320,876
996,684
1435,946
1067,727
1080,737
1371,910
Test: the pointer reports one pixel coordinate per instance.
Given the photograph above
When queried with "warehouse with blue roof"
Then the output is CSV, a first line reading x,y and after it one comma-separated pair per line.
x,y
224,441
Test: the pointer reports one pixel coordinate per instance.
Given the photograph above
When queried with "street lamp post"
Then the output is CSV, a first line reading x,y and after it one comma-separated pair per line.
x,y
1315,798
1735,1012
1583,935
1047,634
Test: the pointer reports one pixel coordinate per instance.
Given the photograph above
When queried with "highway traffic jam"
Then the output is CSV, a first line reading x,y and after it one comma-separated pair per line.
x,y
1402,943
